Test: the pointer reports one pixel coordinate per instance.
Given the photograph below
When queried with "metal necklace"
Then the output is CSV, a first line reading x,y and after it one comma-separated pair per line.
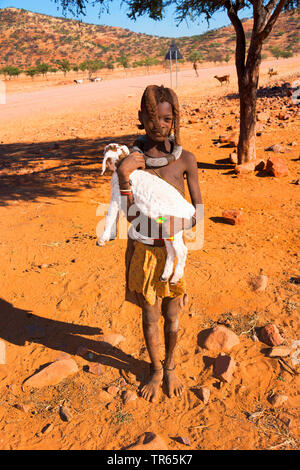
x,y
152,162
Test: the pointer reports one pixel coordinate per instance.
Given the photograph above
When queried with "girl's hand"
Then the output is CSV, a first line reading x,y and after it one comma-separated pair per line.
x,y
134,161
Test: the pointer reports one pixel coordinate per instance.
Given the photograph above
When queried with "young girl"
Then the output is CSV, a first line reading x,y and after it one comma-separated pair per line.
x,y
160,153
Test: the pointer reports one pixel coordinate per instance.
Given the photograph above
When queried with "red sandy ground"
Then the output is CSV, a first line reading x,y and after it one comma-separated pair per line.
x,y
54,274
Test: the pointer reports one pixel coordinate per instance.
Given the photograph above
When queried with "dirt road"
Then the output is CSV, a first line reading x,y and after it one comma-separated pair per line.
x,y
77,98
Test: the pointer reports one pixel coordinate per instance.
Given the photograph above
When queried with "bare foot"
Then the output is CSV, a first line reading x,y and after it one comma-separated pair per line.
x,y
150,390
174,386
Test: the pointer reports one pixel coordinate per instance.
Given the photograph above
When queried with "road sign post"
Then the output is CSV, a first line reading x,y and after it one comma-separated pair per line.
x,y
173,54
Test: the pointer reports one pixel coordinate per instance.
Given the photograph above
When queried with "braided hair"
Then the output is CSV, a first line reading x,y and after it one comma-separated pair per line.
x,y
152,96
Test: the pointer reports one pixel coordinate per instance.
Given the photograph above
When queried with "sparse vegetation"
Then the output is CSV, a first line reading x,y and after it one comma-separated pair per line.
x,y
64,40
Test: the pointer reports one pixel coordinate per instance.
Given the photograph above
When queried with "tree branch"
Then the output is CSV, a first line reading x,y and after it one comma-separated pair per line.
x,y
240,51
273,18
254,52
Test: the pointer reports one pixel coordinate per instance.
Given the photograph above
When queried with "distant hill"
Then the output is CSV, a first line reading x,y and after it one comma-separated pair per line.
x,y
27,38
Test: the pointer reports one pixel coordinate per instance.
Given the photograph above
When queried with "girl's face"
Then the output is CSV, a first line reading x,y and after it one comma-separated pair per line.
x,y
165,118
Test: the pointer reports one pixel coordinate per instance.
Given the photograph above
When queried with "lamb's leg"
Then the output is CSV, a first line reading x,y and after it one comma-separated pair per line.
x,y
110,230
169,261
181,253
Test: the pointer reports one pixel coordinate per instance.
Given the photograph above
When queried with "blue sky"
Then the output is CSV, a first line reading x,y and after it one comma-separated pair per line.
x,y
118,17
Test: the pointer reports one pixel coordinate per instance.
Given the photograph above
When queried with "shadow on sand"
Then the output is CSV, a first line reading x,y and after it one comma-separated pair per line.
x,y
52,169
18,326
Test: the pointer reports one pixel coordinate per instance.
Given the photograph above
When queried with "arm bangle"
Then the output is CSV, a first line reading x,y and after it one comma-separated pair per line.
x,y
125,191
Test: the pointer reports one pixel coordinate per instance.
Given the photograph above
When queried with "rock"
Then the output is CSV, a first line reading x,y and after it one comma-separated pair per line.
x,y
233,216
113,390
52,374
249,167
254,338
221,339
259,284
224,367
286,419
270,335
104,397
295,357
95,368
46,429
113,339
65,413
231,139
184,440
23,407
277,167
277,399
279,351
262,116
275,148
204,394
128,396
283,116
233,158
113,406
62,355
149,441
259,127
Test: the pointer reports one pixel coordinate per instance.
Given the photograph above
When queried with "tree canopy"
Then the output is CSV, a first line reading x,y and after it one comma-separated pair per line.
x,y
185,9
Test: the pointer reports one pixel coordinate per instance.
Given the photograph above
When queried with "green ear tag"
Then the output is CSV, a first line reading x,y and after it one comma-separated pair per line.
x,y
160,220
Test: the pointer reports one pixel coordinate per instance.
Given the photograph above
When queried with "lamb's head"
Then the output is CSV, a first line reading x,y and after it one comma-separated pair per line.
x,y
114,153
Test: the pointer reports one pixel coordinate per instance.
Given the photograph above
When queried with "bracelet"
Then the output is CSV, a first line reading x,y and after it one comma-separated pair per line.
x,y
125,191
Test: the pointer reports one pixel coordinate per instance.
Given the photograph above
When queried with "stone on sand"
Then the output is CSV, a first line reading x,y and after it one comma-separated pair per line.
x,y
276,166
52,374
277,399
95,368
104,397
221,339
112,339
275,148
204,394
270,335
65,413
113,390
149,441
259,284
23,407
224,367
249,167
279,351
233,216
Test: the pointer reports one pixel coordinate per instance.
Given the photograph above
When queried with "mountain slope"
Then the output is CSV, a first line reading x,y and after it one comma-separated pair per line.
x,y
27,37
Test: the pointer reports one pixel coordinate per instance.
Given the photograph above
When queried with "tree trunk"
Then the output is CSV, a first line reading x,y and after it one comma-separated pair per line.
x,y
248,70
246,149
248,85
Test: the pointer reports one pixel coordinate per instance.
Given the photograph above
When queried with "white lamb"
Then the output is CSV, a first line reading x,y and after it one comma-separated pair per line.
x,y
155,198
